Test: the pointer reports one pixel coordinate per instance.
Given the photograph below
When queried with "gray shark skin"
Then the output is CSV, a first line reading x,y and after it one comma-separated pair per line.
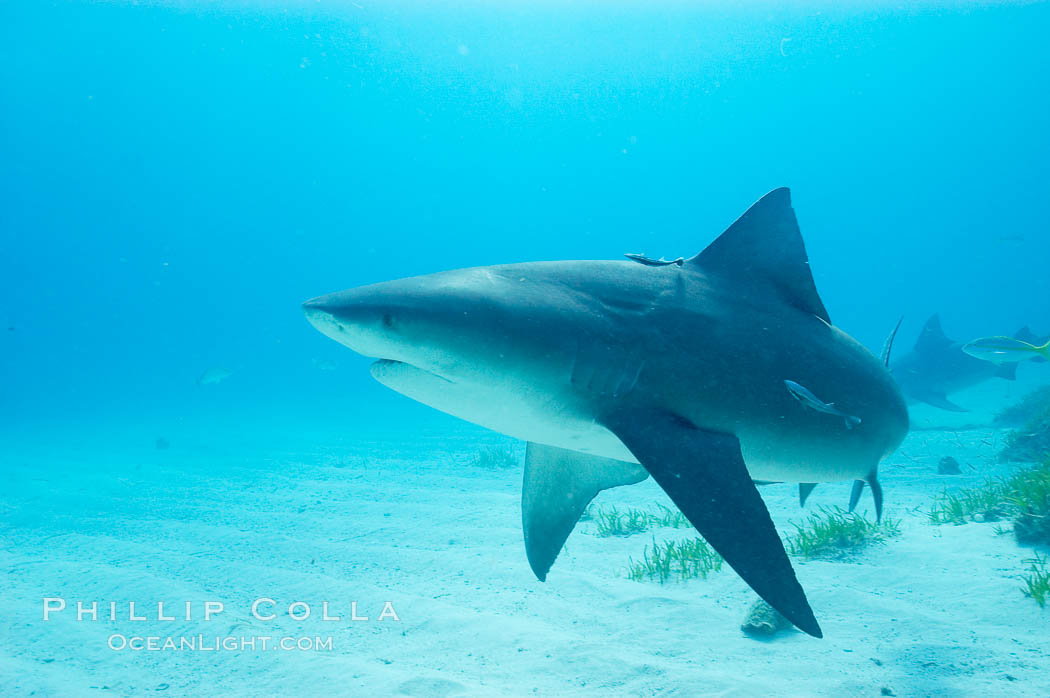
x,y
614,370
938,366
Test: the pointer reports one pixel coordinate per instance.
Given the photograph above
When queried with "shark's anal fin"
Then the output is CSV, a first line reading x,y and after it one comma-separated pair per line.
x,y
704,474
804,490
556,488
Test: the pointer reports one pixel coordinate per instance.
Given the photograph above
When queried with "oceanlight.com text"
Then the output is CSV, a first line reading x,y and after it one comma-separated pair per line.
x,y
217,643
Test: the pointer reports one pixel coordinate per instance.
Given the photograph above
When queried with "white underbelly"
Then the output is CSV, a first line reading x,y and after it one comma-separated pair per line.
x,y
522,411
773,459
519,410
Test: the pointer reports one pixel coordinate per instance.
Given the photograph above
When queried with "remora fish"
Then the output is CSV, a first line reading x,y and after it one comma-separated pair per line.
x,y
604,365
806,488
650,262
807,398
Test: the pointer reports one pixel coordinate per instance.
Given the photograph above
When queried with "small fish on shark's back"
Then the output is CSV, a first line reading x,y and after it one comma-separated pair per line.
x,y
650,262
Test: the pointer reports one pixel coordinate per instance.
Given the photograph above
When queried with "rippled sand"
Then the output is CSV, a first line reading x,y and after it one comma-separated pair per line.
x,y
937,611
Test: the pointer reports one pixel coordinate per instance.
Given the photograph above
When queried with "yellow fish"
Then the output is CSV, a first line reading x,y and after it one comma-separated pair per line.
x,y
1002,350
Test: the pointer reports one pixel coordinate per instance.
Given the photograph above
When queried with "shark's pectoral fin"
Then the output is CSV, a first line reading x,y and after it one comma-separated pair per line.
x,y
804,490
704,474
557,487
939,400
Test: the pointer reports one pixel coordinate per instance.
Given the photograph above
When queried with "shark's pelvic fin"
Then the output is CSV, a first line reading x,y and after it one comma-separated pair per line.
x,y
557,487
704,474
855,493
938,400
765,243
804,490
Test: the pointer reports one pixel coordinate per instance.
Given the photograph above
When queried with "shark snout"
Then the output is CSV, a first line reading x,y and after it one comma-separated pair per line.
x,y
440,323
320,312
400,320
333,303
357,319
316,309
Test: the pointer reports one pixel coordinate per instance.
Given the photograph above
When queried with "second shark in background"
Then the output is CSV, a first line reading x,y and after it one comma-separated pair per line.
x,y
938,366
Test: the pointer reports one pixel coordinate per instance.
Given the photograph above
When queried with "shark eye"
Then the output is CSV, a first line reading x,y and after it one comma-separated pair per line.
x,y
388,320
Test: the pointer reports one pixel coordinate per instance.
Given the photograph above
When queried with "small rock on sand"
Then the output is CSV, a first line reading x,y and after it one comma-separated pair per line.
x,y
948,466
764,621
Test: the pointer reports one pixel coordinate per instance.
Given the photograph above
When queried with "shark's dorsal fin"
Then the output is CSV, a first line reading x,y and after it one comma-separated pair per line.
x,y
932,337
765,244
1025,334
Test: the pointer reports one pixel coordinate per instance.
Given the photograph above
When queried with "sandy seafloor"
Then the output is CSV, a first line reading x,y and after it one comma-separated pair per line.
x,y
412,521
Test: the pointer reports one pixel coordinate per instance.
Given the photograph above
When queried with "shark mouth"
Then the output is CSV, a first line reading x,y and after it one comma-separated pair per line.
x,y
385,369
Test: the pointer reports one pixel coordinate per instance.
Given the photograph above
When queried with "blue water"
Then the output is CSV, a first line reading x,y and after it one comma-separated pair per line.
x,y
176,178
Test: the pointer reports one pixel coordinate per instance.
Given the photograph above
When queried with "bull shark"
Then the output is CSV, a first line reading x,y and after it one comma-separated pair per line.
x,y
613,371
938,366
